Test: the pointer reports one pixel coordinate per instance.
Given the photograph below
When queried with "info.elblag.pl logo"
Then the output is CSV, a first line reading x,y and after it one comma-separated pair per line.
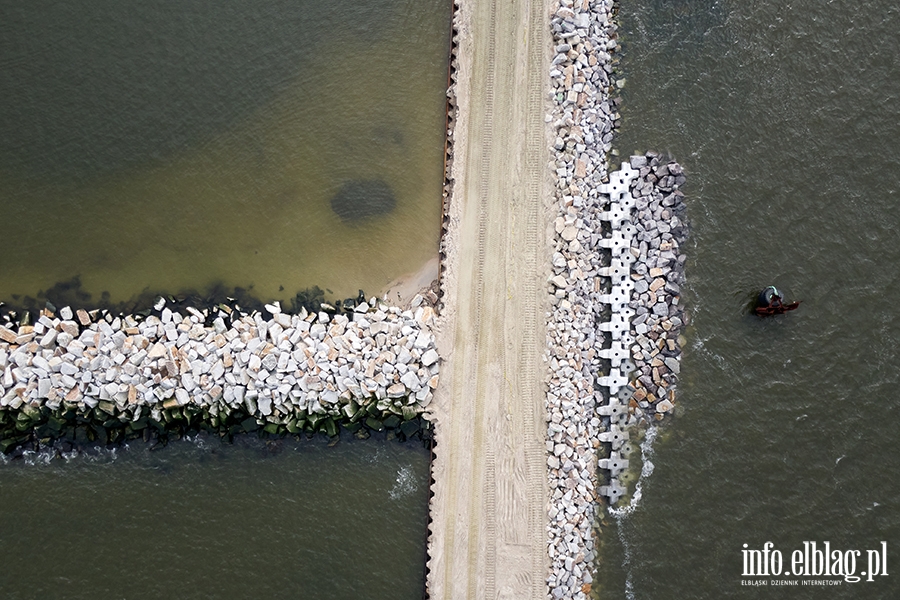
x,y
815,560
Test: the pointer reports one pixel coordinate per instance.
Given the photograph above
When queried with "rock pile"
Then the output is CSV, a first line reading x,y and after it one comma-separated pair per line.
x,y
647,271
119,376
658,275
583,119
615,257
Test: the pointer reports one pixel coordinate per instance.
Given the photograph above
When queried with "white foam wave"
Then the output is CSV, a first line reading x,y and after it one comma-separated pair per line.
x,y
197,440
646,470
405,483
376,456
100,455
622,513
42,457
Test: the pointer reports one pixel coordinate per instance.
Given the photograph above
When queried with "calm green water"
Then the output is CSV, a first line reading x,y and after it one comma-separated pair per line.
x,y
171,145
785,115
203,519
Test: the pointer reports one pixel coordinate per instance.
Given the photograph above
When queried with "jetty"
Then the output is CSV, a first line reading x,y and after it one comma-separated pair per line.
x,y
561,316
489,508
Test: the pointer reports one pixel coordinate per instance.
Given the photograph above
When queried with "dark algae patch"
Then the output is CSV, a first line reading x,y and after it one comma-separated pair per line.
x,y
70,429
71,293
359,200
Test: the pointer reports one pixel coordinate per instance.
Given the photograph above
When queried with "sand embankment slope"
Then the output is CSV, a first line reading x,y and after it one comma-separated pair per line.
x,y
489,508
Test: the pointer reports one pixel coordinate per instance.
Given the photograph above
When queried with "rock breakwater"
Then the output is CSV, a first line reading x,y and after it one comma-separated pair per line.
x,y
95,375
658,274
582,118
613,332
647,270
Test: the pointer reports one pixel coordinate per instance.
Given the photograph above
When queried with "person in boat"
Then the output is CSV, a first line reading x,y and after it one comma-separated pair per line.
x,y
771,302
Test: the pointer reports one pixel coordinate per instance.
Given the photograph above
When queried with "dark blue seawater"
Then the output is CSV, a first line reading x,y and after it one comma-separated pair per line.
x,y
785,117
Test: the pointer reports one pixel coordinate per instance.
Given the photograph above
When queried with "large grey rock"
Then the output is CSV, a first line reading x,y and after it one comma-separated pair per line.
x,y
569,233
397,390
182,396
673,364
410,380
430,357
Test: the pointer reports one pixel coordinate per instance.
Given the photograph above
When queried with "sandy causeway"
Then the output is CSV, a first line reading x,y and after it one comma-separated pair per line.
x,y
489,509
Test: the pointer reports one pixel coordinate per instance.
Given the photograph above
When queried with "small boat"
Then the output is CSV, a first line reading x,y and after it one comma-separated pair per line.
x,y
771,302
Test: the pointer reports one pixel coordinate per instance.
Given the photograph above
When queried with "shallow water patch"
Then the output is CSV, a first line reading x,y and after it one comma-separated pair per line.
x,y
227,176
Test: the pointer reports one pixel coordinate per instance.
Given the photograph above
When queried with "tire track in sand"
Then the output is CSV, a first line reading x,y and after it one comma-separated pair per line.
x,y
490,491
484,461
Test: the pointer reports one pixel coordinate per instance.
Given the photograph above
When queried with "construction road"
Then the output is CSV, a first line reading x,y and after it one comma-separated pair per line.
x,y
489,509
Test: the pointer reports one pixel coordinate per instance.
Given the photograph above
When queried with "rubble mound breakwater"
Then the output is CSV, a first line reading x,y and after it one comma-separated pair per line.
x,y
78,376
615,316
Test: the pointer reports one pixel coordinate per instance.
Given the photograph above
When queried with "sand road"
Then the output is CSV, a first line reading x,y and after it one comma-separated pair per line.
x,y
489,508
